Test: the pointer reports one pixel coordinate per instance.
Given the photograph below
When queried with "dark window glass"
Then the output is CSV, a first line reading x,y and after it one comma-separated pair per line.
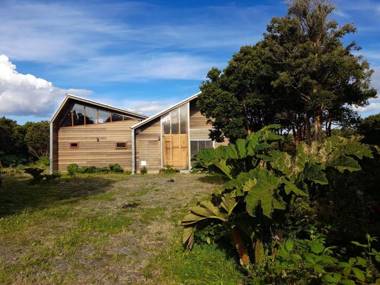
x,y
91,114
197,146
183,119
116,117
78,114
66,122
166,125
103,117
121,145
174,118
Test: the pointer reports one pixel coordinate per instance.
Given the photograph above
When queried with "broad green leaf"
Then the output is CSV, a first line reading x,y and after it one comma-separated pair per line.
x,y
348,282
241,149
358,273
315,173
228,203
262,192
317,246
332,278
249,185
281,161
188,236
345,163
226,169
289,245
291,187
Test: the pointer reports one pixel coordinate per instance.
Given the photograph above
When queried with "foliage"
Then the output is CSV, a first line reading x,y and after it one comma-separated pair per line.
x,y
270,193
74,168
143,170
37,138
300,75
36,173
370,129
20,144
310,261
168,170
116,168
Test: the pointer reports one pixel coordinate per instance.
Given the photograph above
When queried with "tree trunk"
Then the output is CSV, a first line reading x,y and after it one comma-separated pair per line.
x,y
318,125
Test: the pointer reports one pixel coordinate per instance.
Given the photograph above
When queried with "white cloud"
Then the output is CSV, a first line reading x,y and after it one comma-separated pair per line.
x,y
374,104
26,94
137,66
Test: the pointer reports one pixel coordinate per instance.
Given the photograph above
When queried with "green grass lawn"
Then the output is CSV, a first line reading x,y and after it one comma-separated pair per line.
x,y
105,229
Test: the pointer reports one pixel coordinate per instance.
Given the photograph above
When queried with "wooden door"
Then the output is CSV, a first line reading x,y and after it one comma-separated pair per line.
x,y
176,150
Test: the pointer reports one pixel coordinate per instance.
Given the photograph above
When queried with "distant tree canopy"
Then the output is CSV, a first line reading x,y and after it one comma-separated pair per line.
x,y
299,75
22,143
370,129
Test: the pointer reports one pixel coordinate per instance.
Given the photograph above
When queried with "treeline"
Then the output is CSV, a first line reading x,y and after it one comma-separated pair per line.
x,y
25,143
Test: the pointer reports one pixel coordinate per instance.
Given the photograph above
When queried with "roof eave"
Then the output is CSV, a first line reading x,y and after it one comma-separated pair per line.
x,y
159,114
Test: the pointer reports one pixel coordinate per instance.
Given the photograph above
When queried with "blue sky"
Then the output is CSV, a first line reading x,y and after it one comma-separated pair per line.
x,y
141,55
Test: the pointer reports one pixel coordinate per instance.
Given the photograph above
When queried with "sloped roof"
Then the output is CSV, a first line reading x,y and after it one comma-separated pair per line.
x,y
94,103
167,110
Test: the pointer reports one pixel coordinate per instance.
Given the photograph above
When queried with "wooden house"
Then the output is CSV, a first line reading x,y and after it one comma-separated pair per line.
x,y
169,138
89,133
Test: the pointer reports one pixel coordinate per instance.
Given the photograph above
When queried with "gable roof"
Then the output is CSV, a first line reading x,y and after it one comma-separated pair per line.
x,y
167,110
94,103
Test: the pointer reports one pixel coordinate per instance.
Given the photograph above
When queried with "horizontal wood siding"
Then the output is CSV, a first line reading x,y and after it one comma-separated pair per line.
x,y
199,128
96,145
148,146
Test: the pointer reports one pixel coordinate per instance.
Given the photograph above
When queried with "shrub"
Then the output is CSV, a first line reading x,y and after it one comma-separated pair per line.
x,y
36,173
168,170
269,193
116,168
143,170
72,169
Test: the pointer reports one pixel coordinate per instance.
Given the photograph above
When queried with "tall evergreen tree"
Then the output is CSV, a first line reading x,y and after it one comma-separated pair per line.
x,y
300,75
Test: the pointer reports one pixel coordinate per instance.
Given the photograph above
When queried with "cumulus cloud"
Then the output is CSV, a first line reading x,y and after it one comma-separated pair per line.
x,y
26,94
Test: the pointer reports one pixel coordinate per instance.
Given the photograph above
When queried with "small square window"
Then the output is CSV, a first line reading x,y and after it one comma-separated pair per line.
x,y
74,145
121,145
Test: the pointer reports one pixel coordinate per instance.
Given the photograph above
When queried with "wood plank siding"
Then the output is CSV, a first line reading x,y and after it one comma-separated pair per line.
x,y
199,128
148,145
96,145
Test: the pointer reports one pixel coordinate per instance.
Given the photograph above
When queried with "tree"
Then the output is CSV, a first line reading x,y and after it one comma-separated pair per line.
x,y
300,75
37,138
370,129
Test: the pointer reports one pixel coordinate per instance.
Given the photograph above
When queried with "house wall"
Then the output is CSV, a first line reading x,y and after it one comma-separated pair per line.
x,y
90,151
199,128
148,146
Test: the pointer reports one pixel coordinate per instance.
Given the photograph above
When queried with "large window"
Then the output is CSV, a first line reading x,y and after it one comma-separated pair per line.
x,y
197,146
176,121
79,114
91,115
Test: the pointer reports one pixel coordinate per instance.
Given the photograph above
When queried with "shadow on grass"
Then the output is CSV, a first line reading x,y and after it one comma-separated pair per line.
x,y
212,179
17,194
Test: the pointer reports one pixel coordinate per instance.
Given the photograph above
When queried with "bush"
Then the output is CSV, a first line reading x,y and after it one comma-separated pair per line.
x,y
116,168
370,129
143,170
168,170
274,194
72,169
36,173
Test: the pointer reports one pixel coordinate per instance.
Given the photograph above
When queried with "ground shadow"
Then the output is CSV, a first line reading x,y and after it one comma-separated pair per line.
x,y
17,194
212,179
